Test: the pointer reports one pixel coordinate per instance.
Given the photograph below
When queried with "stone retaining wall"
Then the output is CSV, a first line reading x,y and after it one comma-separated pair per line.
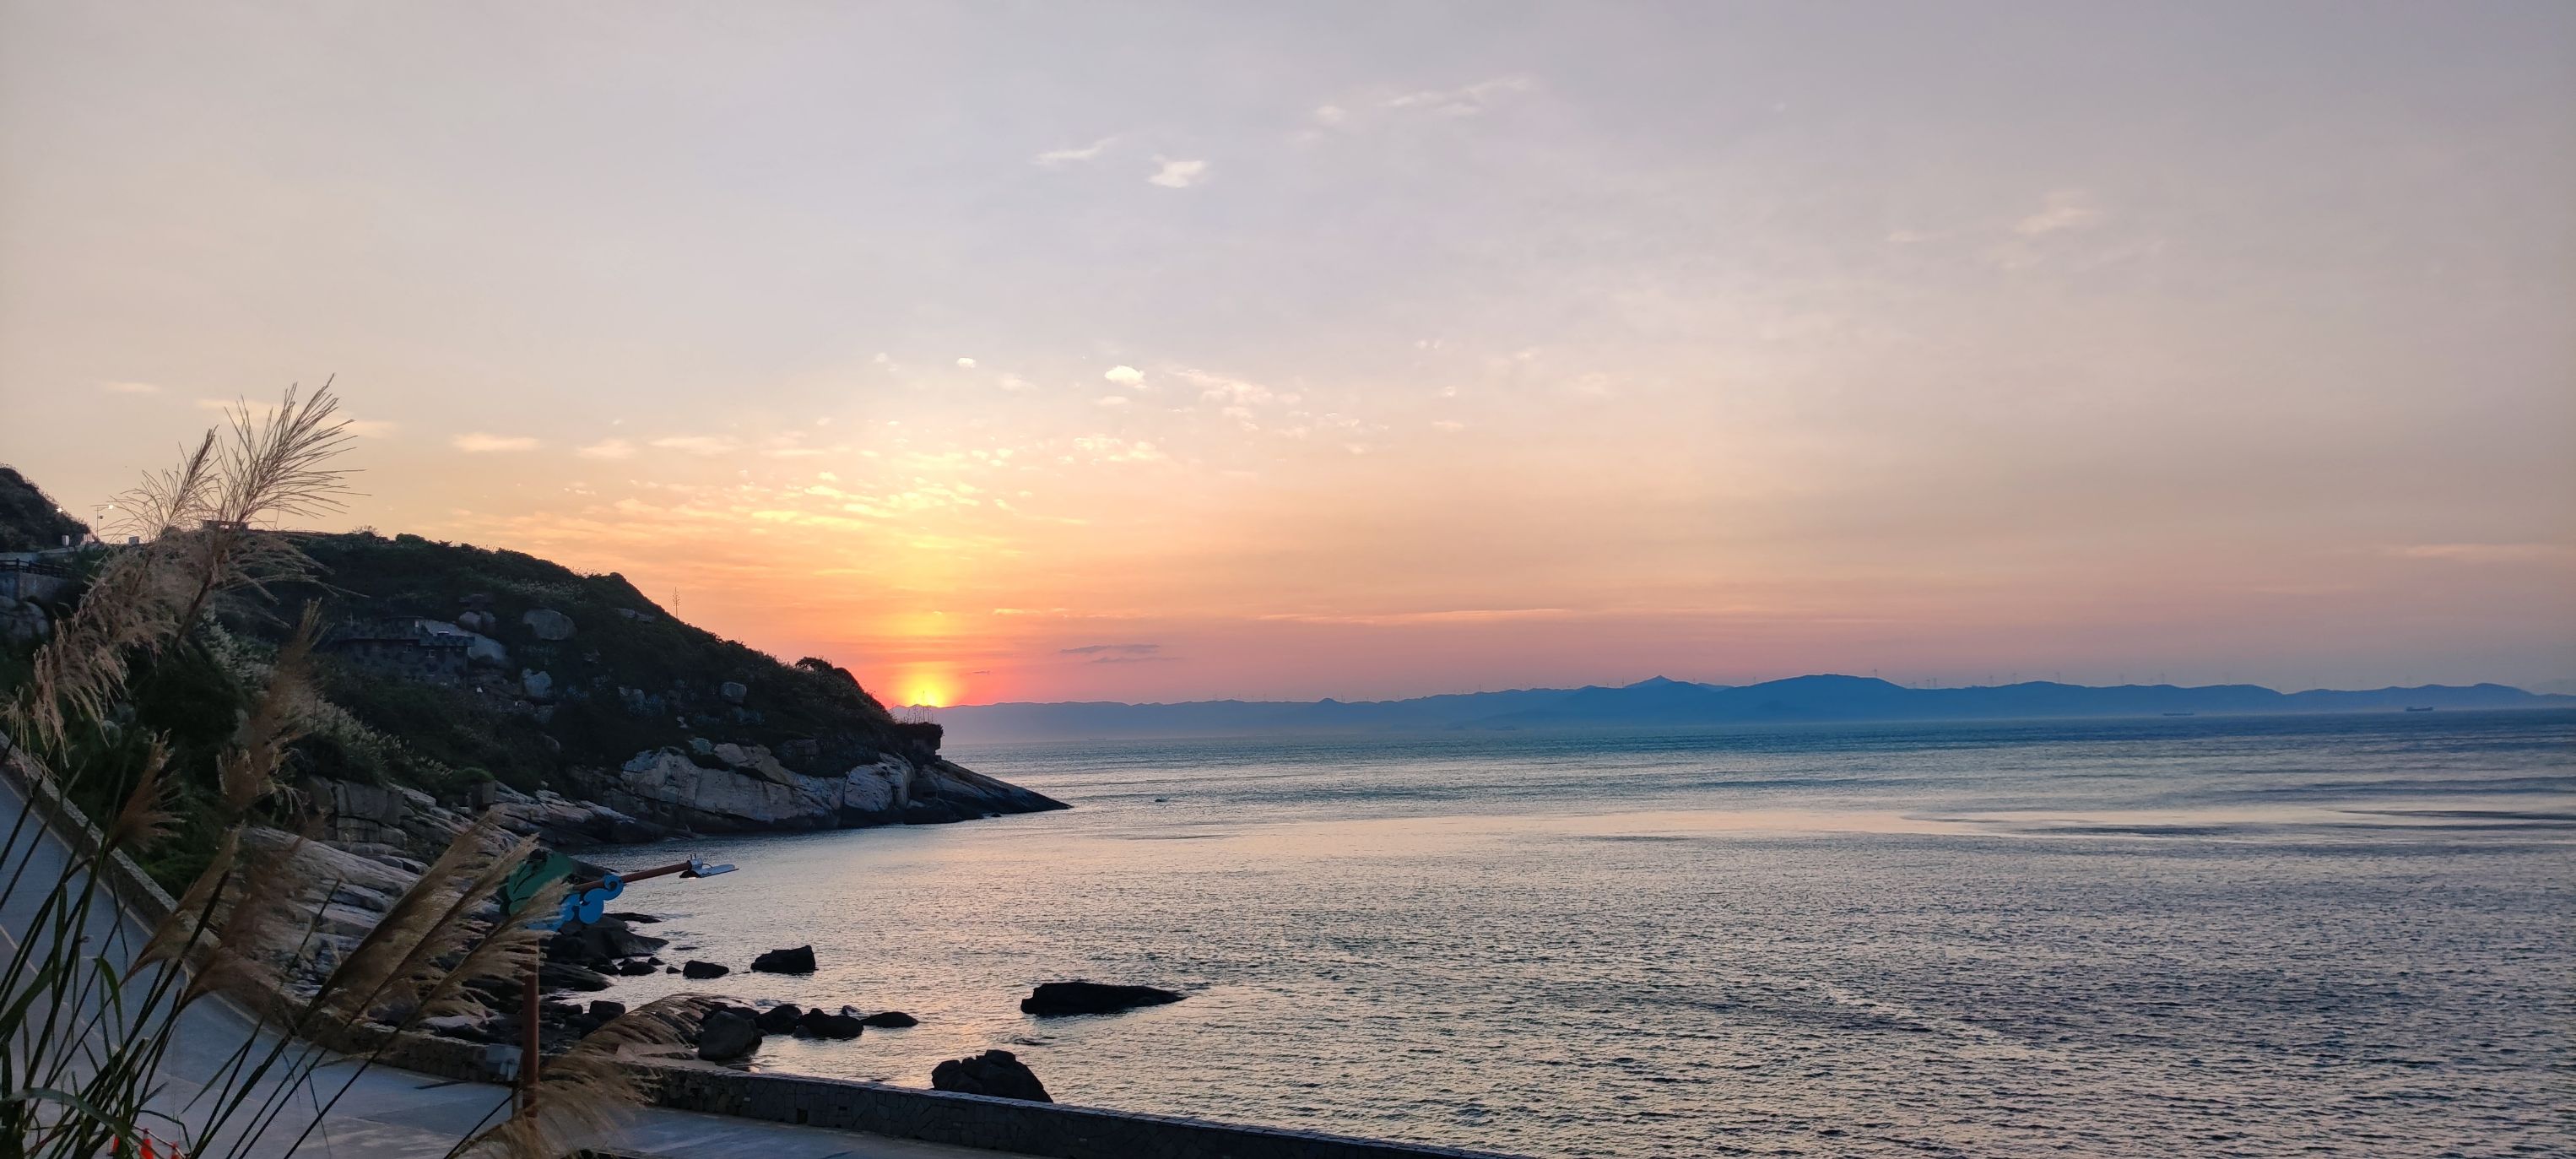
x,y
1044,1129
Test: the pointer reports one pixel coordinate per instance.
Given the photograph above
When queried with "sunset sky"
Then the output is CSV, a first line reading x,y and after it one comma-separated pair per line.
x,y
1182,352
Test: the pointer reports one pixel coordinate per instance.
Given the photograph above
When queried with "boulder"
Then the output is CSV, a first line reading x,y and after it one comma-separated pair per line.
x,y
822,1025
635,967
570,976
1054,998
997,1073
796,961
732,691
537,685
694,968
547,624
604,1010
726,1036
779,1019
890,1019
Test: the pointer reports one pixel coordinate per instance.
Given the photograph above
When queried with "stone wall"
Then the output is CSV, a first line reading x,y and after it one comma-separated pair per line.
x,y
1045,1129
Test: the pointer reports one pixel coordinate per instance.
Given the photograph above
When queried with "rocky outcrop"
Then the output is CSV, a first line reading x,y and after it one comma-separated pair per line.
x,y
796,961
1054,998
726,1035
997,1073
739,788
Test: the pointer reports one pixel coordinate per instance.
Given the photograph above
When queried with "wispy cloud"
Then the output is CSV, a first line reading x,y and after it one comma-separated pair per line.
x,y
480,443
370,428
1114,400
966,364
2065,210
129,388
608,449
699,444
2487,552
1126,376
1178,174
1464,101
1458,616
1122,649
1053,158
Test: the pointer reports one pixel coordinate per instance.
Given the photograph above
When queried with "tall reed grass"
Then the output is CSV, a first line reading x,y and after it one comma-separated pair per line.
x,y
94,1011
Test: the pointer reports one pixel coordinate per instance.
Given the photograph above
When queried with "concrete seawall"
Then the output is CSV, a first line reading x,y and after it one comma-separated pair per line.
x,y
1047,1129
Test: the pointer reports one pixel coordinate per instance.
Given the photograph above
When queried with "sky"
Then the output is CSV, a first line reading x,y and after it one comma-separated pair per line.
x,y
1162,352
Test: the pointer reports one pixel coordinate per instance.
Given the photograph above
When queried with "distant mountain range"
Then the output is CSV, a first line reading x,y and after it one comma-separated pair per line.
x,y
1662,703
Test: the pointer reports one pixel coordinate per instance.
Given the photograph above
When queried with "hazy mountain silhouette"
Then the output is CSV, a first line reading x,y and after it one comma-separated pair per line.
x,y
1663,703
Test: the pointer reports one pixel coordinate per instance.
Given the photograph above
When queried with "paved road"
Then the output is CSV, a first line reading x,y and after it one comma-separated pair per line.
x,y
395,1114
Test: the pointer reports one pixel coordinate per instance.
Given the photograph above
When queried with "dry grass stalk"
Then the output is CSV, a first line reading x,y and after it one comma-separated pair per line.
x,y
588,1089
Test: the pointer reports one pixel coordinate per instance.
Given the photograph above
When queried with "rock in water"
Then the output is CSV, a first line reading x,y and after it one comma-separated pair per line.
x,y
780,1019
1053,998
605,1010
998,1073
892,1019
796,961
694,968
726,1036
822,1025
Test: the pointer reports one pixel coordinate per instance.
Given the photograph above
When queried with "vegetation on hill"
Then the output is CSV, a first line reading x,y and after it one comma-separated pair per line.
x,y
586,674
29,521
628,678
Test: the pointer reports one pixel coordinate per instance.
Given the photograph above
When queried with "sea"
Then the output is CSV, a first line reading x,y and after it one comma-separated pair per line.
x,y
2304,935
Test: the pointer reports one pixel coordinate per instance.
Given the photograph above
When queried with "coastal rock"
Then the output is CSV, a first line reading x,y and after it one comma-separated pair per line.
x,y
537,685
755,793
997,1073
603,1010
1056,998
732,691
635,967
570,976
891,1019
796,961
547,624
726,1036
694,968
822,1025
779,1019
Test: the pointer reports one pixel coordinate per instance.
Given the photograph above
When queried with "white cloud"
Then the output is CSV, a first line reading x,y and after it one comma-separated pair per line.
x,y
1126,376
129,388
1178,174
1013,382
1332,114
479,443
2066,209
1450,425
369,428
698,444
1466,101
607,449
1113,400
966,364
1055,157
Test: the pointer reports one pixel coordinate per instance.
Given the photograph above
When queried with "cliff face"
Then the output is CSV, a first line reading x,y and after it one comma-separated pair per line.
x,y
670,787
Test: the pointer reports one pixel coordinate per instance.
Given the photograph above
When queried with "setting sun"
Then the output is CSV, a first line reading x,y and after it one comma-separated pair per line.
x,y
927,692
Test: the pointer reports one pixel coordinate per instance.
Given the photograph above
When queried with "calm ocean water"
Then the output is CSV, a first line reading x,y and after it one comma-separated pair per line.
x,y
2317,935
